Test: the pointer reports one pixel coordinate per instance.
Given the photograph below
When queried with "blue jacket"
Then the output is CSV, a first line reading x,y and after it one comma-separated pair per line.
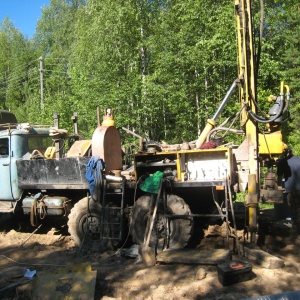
x,y
93,174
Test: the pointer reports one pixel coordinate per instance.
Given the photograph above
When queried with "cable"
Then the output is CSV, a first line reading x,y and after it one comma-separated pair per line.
x,y
31,62
27,64
22,65
15,75
19,74
264,121
20,263
226,129
64,65
20,85
53,71
22,77
57,58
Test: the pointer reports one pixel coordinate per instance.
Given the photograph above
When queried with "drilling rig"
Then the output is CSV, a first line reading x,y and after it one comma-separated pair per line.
x,y
89,186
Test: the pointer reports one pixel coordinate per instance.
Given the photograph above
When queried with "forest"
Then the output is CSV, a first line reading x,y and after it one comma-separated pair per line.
x,y
163,66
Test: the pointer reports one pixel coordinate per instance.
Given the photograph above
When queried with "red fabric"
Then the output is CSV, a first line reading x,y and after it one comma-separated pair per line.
x,y
209,145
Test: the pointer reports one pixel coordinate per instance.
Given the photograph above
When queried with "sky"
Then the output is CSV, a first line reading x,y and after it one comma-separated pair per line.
x,y
23,13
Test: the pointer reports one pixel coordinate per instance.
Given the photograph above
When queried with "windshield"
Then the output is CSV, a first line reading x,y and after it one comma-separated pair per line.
x,y
40,143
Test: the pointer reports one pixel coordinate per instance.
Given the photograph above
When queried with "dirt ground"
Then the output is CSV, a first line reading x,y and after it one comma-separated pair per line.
x,y
48,248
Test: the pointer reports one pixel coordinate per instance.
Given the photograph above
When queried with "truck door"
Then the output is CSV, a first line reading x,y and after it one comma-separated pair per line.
x,y
8,172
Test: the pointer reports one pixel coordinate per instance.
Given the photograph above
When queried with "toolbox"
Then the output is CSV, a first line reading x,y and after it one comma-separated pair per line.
x,y
233,272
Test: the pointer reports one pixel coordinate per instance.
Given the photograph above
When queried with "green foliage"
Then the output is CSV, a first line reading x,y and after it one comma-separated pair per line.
x,y
14,56
163,66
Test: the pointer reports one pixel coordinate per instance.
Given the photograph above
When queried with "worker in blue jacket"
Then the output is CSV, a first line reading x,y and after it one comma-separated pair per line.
x,y
288,167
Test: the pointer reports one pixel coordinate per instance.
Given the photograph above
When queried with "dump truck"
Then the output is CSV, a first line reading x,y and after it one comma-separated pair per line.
x,y
102,200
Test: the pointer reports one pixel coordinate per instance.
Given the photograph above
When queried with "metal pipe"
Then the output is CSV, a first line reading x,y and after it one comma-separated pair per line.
x,y
212,122
113,178
98,116
252,203
136,135
226,98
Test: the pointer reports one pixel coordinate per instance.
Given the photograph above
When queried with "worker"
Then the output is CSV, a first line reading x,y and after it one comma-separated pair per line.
x,y
288,167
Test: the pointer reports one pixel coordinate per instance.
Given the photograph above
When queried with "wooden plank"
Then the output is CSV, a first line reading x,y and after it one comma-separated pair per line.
x,y
263,258
194,256
63,284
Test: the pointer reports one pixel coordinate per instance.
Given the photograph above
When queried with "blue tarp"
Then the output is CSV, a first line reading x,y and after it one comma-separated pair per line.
x,y
92,173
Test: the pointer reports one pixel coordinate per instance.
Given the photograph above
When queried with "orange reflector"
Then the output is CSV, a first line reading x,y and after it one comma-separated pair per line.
x,y
219,187
236,266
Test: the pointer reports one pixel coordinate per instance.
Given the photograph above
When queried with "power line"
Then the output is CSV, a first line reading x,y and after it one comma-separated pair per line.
x,y
57,58
24,71
20,79
25,64
54,71
21,84
14,68
26,75
14,72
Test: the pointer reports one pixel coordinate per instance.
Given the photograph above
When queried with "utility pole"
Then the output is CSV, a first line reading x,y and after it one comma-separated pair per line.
x,y
42,83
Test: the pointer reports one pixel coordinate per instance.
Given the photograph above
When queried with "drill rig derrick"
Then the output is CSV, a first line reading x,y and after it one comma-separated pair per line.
x,y
259,146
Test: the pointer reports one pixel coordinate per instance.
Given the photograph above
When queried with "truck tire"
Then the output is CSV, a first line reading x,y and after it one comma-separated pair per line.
x,y
180,228
85,222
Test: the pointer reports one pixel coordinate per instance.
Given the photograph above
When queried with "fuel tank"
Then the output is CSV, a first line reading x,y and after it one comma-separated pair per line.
x,y
53,206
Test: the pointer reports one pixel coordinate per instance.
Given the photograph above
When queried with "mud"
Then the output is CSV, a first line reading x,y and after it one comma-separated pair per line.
x,y
118,277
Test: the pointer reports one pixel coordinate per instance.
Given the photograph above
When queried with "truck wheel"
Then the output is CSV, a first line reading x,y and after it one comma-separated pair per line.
x,y
85,226
174,232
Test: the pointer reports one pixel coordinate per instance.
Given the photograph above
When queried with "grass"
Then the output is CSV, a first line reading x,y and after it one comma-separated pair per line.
x,y
240,197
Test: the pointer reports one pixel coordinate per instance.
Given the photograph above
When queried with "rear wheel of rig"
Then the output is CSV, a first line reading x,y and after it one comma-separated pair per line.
x,y
169,231
90,226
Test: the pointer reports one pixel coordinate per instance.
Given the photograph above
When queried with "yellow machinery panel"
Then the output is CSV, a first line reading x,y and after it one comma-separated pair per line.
x,y
270,143
208,167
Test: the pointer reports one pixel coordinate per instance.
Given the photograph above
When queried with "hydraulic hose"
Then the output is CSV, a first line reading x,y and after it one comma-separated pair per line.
x,y
283,106
232,130
260,119
288,95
